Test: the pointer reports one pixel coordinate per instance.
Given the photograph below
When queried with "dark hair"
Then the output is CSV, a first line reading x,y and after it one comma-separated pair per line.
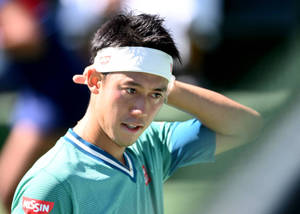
x,y
142,30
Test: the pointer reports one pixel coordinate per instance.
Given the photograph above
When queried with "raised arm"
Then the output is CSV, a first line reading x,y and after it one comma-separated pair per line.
x,y
233,123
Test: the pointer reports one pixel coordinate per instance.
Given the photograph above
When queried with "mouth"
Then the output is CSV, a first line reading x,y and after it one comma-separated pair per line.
x,y
132,127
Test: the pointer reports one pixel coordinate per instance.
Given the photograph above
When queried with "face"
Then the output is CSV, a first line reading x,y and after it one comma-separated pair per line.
x,y
127,103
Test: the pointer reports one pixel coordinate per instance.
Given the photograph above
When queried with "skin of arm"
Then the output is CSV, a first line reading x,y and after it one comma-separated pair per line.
x,y
234,123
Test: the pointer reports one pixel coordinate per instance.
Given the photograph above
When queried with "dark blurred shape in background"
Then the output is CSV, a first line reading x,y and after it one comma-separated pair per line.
x,y
251,29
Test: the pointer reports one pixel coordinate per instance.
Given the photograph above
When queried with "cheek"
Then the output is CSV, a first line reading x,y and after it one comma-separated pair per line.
x,y
107,103
154,109
115,105
111,97
157,108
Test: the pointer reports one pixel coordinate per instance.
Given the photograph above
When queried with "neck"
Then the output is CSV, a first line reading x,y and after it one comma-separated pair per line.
x,y
89,129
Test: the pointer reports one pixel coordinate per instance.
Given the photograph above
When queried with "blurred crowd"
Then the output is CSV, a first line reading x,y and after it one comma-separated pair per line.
x,y
43,43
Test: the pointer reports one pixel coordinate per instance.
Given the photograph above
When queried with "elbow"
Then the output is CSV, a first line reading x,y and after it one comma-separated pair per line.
x,y
252,127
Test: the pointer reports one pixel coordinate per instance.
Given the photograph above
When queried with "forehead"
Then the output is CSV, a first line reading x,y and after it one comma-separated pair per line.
x,y
143,79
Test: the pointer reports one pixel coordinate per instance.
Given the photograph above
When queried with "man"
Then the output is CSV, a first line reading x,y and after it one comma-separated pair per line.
x,y
116,159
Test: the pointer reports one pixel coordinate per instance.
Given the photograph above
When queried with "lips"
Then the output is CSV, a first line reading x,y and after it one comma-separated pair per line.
x,y
132,127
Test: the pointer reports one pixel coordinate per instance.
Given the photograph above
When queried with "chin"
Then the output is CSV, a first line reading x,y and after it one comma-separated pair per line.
x,y
128,143
122,143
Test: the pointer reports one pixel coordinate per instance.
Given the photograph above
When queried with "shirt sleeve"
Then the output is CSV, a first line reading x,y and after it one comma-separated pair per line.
x,y
42,194
186,143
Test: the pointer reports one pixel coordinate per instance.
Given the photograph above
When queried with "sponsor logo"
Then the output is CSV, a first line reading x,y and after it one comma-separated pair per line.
x,y
146,176
104,60
34,206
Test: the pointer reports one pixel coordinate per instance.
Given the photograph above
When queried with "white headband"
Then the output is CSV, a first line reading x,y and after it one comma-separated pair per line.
x,y
134,59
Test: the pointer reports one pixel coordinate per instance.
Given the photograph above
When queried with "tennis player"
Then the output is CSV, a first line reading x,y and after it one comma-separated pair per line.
x,y
116,159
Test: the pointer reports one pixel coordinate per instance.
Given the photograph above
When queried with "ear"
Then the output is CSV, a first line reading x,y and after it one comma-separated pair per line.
x,y
93,79
82,78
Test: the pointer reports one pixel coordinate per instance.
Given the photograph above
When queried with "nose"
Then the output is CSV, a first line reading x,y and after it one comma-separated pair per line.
x,y
139,107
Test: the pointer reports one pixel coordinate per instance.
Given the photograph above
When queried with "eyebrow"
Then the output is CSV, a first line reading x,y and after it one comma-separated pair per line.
x,y
133,83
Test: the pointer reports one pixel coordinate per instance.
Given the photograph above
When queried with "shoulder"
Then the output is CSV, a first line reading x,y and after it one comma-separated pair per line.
x,y
163,133
40,188
164,130
50,180
51,171
158,130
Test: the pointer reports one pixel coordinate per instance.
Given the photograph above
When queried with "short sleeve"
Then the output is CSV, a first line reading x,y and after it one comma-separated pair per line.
x,y
189,142
42,194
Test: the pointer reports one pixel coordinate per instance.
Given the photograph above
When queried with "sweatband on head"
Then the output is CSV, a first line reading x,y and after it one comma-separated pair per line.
x,y
134,59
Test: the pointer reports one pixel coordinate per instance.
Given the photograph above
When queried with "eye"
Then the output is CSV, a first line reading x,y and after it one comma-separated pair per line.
x,y
156,95
130,90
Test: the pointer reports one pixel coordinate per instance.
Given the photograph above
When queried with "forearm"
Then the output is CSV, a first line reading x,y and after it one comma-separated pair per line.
x,y
214,110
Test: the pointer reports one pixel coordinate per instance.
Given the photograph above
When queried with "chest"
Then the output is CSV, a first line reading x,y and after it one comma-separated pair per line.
x,y
111,190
